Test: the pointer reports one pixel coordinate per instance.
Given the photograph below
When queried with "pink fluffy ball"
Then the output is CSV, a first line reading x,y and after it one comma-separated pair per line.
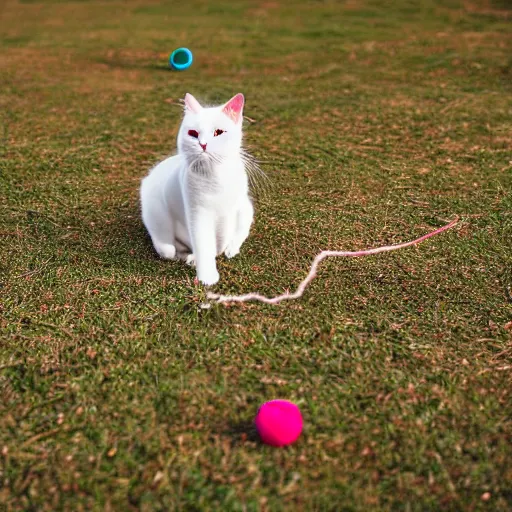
x,y
279,422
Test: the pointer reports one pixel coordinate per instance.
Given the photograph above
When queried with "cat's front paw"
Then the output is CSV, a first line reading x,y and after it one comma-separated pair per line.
x,y
208,278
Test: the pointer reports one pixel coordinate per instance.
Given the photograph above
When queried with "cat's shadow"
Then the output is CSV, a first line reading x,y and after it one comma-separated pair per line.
x,y
127,247
125,242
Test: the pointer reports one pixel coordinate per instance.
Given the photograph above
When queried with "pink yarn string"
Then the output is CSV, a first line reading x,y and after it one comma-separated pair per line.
x,y
312,273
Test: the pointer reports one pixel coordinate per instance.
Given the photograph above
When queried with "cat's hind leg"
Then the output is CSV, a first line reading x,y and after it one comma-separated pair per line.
x,y
243,225
165,251
162,236
160,227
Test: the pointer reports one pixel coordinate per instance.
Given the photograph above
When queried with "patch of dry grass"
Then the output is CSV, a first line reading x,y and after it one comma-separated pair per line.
x,y
375,124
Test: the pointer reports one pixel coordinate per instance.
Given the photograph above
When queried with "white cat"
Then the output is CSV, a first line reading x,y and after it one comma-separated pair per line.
x,y
196,205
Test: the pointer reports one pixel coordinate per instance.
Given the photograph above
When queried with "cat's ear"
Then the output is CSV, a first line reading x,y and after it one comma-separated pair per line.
x,y
234,107
192,104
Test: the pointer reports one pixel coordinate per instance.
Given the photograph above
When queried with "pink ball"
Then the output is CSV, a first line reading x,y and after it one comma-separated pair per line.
x,y
279,422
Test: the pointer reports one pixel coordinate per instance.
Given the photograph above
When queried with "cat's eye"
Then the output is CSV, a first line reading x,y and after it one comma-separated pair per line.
x,y
193,133
218,132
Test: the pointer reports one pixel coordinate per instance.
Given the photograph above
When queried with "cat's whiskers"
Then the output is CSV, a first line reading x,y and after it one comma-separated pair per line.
x,y
258,180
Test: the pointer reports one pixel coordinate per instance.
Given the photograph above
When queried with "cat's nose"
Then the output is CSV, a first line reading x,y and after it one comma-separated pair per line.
x,y
203,146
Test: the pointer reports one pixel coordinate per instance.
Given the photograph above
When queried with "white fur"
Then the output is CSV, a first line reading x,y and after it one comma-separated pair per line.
x,y
196,205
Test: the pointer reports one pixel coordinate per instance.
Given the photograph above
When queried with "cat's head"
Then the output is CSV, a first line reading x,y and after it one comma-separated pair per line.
x,y
214,132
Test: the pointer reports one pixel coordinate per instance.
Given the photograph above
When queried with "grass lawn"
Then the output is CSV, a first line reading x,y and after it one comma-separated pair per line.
x,y
376,122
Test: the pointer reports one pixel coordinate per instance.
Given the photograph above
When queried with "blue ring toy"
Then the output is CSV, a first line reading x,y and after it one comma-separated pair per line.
x,y
181,59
